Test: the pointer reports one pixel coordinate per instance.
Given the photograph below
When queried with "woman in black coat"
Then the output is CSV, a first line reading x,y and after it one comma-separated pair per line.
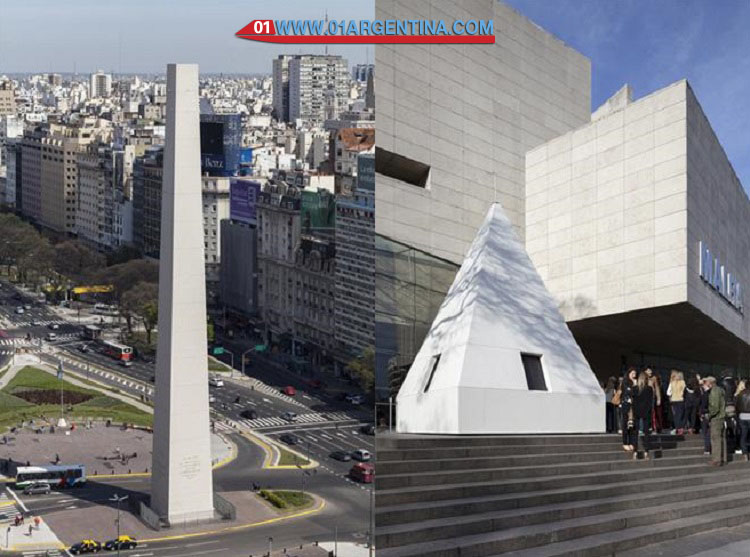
x,y
643,406
626,405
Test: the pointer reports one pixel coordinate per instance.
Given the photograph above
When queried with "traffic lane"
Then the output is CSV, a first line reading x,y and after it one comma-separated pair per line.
x,y
320,443
265,404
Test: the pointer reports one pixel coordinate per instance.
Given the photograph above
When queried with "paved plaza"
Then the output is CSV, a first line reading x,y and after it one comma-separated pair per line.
x,y
98,521
105,451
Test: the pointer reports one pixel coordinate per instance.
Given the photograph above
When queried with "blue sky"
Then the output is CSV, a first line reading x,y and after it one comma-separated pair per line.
x,y
646,43
650,44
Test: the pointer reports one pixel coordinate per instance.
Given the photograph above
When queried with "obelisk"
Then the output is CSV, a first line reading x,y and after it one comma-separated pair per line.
x,y
181,488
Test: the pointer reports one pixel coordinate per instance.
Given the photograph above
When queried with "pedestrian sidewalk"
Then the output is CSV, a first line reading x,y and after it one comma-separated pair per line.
x,y
29,535
346,549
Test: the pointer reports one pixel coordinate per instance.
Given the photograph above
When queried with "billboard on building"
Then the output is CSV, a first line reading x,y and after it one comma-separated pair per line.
x,y
243,195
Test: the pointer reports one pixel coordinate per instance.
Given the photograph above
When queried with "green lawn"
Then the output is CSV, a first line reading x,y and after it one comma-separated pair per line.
x,y
34,378
14,409
216,365
288,500
288,458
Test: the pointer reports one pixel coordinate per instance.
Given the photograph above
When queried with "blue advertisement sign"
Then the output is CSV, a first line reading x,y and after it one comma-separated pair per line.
x,y
243,195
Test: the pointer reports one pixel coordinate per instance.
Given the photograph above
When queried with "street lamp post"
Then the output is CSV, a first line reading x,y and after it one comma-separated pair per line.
x,y
117,499
231,360
61,423
372,520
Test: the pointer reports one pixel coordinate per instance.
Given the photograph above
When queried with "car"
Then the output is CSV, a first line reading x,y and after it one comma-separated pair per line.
x,y
38,488
27,306
123,542
34,323
84,348
20,310
289,439
249,414
362,455
214,381
211,399
357,399
317,384
362,472
289,416
85,546
126,363
289,390
343,456
5,517
51,337
54,326
368,429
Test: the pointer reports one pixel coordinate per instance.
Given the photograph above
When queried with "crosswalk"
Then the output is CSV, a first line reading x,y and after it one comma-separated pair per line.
x,y
43,553
9,345
273,391
39,323
104,374
307,418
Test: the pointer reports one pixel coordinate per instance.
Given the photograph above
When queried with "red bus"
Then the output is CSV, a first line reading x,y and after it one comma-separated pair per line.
x,y
117,351
362,472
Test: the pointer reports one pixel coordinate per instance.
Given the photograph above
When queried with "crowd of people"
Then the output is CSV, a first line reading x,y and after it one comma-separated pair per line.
x,y
639,404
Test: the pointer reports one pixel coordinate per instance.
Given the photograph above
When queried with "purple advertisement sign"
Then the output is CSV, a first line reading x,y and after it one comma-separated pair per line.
x,y
243,195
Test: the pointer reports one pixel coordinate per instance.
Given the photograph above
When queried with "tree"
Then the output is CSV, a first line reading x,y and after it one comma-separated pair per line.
x,y
142,300
76,261
363,367
125,276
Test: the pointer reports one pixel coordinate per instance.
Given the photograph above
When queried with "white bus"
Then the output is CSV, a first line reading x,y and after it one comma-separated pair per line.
x,y
56,476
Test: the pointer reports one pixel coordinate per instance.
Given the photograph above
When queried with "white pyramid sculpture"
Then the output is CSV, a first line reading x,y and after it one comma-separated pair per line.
x,y
469,375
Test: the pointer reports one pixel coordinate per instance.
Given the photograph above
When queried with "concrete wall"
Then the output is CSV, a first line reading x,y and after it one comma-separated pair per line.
x,y
607,214
719,215
616,210
470,112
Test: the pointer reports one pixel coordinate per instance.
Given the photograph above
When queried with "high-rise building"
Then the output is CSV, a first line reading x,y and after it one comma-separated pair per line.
x,y
473,114
11,127
103,209
281,87
361,72
147,177
100,84
318,87
54,79
13,173
215,192
221,144
279,230
95,196
7,98
50,171
239,267
147,187
355,263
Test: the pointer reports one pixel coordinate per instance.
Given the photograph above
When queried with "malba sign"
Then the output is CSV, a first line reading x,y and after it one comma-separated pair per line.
x,y
717,276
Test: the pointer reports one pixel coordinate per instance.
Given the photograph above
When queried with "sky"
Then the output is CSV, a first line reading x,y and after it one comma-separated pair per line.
x,y
646,43
135,36
650,44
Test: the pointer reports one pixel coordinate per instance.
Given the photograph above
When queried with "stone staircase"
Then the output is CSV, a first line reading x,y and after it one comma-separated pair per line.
x,y
547,495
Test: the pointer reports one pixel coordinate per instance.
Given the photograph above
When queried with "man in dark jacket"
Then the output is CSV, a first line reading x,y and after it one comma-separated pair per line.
x,y
717,413
742,403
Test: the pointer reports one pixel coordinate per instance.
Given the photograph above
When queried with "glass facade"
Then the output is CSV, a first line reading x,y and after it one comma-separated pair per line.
x,y
410,286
